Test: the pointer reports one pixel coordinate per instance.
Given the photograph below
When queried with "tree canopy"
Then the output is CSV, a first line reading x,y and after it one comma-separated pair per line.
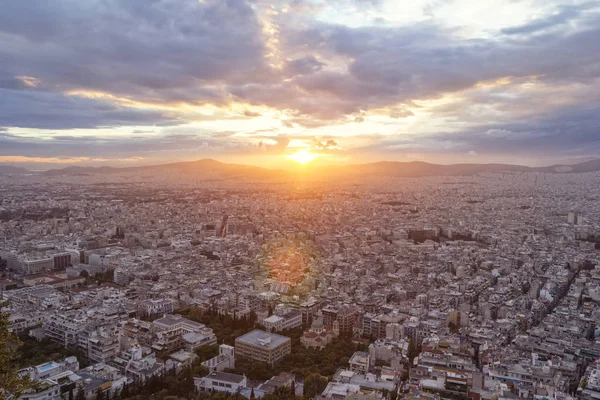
x,y
11,383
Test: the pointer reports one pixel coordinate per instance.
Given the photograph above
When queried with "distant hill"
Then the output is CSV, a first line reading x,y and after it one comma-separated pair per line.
x,y
587,166
420,168
205,168
212,169
10,170
75,170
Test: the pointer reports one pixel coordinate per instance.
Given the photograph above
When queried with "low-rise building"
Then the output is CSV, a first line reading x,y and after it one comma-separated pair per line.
x,y
359,362
220,382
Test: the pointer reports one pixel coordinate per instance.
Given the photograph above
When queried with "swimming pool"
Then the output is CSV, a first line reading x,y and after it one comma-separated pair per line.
x,y
46,367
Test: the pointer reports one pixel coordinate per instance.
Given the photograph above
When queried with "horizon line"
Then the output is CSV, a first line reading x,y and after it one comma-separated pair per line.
x,y
289,165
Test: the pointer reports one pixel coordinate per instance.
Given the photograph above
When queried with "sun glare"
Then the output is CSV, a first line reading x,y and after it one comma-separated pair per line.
x,y
302,156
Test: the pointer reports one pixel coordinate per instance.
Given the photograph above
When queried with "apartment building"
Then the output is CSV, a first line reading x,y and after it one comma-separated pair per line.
x,y
22,321
39,261
345,316
309,309
100,343
173,332
137,362
64,328
283,318
151,307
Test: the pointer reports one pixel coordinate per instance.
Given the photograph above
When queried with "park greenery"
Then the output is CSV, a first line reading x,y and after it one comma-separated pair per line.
x,y
301,362
315,367
33,352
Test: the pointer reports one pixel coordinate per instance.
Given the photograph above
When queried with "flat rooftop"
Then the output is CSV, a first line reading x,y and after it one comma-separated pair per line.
x,y
226,377
172,320
261,338
273,319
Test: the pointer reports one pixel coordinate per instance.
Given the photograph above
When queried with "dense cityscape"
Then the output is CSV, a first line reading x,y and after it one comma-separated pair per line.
x,y
484,286
300,200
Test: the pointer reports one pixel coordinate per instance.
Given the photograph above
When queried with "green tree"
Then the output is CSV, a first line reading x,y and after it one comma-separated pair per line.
x,y
11,383
314,384
284,393
412,350
453,327
206,352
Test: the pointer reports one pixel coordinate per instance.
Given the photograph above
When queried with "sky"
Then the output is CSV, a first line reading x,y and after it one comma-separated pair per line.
x,y
112,82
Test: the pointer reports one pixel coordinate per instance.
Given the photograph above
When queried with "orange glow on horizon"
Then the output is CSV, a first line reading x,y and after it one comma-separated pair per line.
x,y
302,156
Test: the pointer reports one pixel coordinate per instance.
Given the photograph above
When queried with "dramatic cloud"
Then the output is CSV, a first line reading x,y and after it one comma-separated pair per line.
x,y
194,78
150,51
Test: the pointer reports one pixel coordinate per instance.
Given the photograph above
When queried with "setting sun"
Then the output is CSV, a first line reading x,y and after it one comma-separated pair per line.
x,y
302,156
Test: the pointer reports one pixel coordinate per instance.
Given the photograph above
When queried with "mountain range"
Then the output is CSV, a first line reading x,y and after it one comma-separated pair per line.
x,y
208,168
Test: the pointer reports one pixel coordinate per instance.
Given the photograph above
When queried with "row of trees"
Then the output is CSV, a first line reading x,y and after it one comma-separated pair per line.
x,y
171,386
32,352
315,366
302,361
11,383
226,327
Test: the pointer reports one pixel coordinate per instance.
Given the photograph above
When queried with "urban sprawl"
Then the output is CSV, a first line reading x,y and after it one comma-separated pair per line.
x,y
480,287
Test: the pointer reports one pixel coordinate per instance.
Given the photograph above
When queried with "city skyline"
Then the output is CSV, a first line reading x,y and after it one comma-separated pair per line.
x,y
336,82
